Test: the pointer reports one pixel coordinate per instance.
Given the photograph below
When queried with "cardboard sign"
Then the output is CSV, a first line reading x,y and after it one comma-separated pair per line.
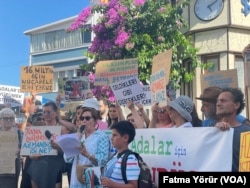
x,y
128,90
108,72
225,78
36,141
244,165
8,149
11,95
163,61
37,78
158,88
75,89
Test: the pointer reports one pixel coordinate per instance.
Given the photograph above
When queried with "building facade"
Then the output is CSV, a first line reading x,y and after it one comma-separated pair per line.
x,y
220,31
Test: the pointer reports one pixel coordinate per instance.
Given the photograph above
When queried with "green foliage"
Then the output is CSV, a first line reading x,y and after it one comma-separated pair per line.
x,y
154,27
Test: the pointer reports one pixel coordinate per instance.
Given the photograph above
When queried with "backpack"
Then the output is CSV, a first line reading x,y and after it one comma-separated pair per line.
x,y
145,177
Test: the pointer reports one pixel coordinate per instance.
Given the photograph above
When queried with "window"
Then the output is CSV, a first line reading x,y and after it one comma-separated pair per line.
x,y
59,39
86,35
186,87
211,63
61,74
79,72
70,73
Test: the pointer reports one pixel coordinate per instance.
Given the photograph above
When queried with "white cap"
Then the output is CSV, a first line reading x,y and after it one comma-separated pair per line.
x,y
91,103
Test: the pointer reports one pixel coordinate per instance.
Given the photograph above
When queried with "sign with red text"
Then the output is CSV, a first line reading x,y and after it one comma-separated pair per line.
x,y
184,149
163,61
8,149
244,165
11,95
37,78
75,89
108,72
158,88
36,140
128,89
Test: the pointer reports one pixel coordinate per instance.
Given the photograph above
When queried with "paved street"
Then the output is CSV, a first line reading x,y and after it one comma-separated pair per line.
x,y
65,181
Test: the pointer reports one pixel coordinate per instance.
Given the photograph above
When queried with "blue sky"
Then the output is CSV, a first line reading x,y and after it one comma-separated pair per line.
x,y
18,16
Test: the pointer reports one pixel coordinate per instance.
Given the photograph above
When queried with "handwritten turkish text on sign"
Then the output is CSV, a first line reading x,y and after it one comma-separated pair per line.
x,y
146,101
163,61
108,72
37,78
8,148
11,95
128,90
36,142
158,88
225,78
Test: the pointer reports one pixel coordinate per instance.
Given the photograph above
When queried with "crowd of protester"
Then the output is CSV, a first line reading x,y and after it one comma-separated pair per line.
x,y
221,108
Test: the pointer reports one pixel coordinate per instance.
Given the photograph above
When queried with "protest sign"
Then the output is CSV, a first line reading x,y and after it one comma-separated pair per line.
x,y
158,88
146,101
36,140
184,149
76,89
11,95
244,165
225,78
108,72
37,78
163,61
128,90
8,149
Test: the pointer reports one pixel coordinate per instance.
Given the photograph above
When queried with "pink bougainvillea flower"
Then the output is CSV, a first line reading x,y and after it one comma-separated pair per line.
x,y
121,39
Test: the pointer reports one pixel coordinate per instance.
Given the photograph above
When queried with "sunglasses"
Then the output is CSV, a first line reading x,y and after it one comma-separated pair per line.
x,y
40,119
82,118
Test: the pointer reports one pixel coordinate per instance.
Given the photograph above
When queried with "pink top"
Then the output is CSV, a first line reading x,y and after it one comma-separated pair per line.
x,y
102,125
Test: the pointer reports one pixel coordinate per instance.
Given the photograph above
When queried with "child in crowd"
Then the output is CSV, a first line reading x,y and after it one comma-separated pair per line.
x,y
123,133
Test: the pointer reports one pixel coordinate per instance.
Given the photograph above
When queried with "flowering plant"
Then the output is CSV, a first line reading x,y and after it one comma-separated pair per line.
x,y
141,29
100,91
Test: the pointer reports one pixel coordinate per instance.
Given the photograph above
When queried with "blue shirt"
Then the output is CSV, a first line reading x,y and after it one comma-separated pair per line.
x,y
211,122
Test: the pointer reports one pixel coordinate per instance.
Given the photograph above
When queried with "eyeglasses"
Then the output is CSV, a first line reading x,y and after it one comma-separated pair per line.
x,y
82,118
8,118
131,120
40,119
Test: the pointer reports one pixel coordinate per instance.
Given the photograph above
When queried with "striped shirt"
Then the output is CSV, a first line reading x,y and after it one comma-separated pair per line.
x,y
132,170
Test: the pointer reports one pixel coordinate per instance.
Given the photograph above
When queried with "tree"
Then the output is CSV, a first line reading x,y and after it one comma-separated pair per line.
x,y
141,29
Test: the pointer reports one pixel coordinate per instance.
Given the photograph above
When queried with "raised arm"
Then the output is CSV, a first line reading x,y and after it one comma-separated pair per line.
x,y
137,118
154,119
